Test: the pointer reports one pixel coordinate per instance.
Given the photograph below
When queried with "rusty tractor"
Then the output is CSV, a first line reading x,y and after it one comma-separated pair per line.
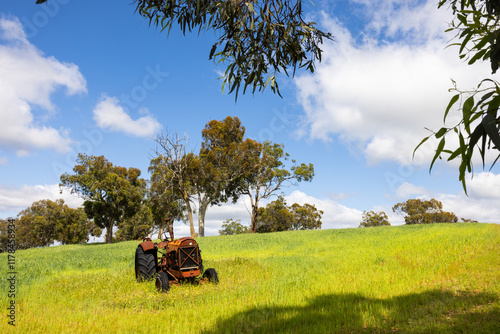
x,y
172,261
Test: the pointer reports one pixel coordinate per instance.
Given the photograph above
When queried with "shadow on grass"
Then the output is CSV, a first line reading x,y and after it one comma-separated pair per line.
x,y
428,312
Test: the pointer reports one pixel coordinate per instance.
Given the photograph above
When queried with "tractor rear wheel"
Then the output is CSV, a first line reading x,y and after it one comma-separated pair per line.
x,y
211,275
145,264
162,284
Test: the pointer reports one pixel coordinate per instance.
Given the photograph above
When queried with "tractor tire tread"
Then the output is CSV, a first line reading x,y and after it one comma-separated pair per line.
x,y
145,264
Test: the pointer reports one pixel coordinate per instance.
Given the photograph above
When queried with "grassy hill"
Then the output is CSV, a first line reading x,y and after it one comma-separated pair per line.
x,y
442,278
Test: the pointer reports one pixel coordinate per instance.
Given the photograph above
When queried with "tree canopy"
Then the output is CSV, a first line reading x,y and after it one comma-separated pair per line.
x,y
278,216
227,167
269,174
417,211
137,226
111,193
46,221
372,219
477,30
230,227
224,160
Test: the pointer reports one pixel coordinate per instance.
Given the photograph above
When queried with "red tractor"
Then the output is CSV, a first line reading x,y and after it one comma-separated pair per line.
x,y
172,261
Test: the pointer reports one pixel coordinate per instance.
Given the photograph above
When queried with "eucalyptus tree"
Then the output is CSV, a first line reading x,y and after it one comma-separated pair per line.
x,y
138,226
224,160
373,219
417,211
111,193
165,199
268,174
171,179
278,216
46,221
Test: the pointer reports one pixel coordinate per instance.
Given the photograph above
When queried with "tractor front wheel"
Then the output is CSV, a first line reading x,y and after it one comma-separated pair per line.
x,y
145,264
162,284
211,275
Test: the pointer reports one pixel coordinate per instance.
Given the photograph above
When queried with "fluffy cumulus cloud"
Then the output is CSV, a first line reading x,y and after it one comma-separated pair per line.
x,y
15,199
109,114
408,190
381,90
484,185
27,80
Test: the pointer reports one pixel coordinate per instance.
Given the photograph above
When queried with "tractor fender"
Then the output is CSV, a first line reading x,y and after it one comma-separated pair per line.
x,y
147,245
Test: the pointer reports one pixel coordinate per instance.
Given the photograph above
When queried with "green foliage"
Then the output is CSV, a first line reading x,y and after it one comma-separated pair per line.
x,y
278,216
74,227
111,193
305,217
225,160
136,227
46,221
372,218
4,235
227,167
269,175
408,279
478,131
256,39
275,217
231,227
416,211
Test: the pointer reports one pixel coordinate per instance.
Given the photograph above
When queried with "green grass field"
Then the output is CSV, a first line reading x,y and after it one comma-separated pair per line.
x,y
442,278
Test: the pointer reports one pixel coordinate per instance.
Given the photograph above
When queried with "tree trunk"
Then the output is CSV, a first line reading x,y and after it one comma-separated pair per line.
x,y
160,231
109,231
203,205
190,214
201,219
255,213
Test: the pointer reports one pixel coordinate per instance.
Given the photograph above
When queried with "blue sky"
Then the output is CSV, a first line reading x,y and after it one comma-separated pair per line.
x,y
93,77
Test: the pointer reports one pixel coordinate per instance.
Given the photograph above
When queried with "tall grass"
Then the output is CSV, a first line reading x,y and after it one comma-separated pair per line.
x,y
440,278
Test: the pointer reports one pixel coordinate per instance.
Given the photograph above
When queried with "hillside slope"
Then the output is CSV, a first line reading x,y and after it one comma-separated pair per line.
x,y
410,279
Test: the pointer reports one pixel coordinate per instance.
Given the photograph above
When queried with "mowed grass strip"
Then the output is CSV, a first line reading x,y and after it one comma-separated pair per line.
x,y
442,278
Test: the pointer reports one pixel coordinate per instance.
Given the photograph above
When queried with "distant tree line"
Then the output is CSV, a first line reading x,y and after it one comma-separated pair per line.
x,y
128,207
46,221
277,216
227,166
414,211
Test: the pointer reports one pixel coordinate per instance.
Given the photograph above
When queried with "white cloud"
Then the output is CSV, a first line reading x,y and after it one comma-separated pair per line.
x,y
15,199
484,185
480,209
109,114
408,190
27,80
383,92
4,161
